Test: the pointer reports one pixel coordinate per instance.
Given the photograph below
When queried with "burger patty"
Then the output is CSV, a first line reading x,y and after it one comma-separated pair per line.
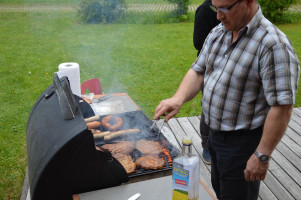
x,y
149,147
124,147
126,161
150,162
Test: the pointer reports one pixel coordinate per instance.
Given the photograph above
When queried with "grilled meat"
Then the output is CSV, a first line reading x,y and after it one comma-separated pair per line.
x,y
126,161
150,162
124,147
149,147
111,122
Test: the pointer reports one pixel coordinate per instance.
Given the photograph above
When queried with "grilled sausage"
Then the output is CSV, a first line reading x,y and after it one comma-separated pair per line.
x,y
101,134
107,122
117,125
120,133
91,119
94,124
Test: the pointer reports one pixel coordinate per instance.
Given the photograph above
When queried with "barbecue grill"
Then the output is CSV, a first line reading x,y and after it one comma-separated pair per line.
x,y
61,153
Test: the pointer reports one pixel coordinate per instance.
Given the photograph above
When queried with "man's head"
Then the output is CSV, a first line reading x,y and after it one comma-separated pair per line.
x,y
235,14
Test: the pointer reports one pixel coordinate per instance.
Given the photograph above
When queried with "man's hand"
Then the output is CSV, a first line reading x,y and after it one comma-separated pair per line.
x,y
255,169
169,107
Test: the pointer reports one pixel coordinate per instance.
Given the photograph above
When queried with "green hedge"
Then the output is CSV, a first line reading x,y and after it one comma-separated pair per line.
x,y
274,10
101,11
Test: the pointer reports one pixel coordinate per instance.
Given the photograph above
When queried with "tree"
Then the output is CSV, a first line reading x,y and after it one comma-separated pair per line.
x,y
274,9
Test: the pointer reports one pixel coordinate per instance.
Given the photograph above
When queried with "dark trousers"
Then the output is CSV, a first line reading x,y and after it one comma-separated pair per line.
x,y
204,129
230,151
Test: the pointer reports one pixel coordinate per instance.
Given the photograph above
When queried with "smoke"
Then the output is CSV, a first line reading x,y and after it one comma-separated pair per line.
x,y
119,55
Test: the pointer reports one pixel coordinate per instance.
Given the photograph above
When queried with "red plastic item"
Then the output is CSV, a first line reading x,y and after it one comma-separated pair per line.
x,y
93,85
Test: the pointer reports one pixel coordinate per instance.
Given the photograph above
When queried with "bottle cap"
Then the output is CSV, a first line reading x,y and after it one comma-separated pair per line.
x,y
187,140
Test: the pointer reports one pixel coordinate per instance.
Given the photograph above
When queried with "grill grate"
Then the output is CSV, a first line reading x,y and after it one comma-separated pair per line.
x,y
166,156
138,119
169,153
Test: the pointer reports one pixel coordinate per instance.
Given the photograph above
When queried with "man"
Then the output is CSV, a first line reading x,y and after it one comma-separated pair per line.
x,y
205,21
250,73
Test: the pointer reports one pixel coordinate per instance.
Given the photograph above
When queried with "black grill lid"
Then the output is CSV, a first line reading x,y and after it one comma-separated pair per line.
x,y
62,159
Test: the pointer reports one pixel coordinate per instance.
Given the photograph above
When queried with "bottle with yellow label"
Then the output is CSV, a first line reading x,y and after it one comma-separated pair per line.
x,y
185,173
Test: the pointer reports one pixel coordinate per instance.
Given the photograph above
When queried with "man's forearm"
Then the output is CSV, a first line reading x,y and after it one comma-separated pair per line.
x,y
274,128
189,87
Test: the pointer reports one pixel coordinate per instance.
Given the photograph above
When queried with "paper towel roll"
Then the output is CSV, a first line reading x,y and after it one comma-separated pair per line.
x,y
71,70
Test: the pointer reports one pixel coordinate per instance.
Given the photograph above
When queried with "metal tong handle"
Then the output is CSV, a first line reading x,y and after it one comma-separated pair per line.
x,y
154,123
161,127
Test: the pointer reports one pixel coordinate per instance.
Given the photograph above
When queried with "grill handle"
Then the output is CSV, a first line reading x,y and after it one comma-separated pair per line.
x,y
65,97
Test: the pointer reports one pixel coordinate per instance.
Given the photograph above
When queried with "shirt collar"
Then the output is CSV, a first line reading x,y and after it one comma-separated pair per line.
x,y
256,20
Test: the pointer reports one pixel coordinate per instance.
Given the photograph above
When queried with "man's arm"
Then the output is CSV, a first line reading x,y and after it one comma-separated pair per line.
x,y
188,89
274,128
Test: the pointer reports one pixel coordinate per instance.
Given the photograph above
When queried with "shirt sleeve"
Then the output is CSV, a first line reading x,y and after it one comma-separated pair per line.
x,y
199,65
280,72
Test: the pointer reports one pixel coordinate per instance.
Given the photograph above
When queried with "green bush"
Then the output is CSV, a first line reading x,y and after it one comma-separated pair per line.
x,y
275,9
182,8
101,11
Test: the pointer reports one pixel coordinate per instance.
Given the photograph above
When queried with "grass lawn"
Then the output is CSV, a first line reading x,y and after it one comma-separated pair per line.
x,y
145,61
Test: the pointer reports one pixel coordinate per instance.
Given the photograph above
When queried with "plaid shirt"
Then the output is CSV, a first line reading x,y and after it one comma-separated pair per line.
x,y
245,78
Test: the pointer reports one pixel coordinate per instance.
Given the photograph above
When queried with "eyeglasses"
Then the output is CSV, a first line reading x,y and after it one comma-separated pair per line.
x,y
224,10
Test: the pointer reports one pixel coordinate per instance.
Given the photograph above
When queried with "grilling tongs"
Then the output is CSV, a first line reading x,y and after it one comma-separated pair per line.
x,y
152,127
